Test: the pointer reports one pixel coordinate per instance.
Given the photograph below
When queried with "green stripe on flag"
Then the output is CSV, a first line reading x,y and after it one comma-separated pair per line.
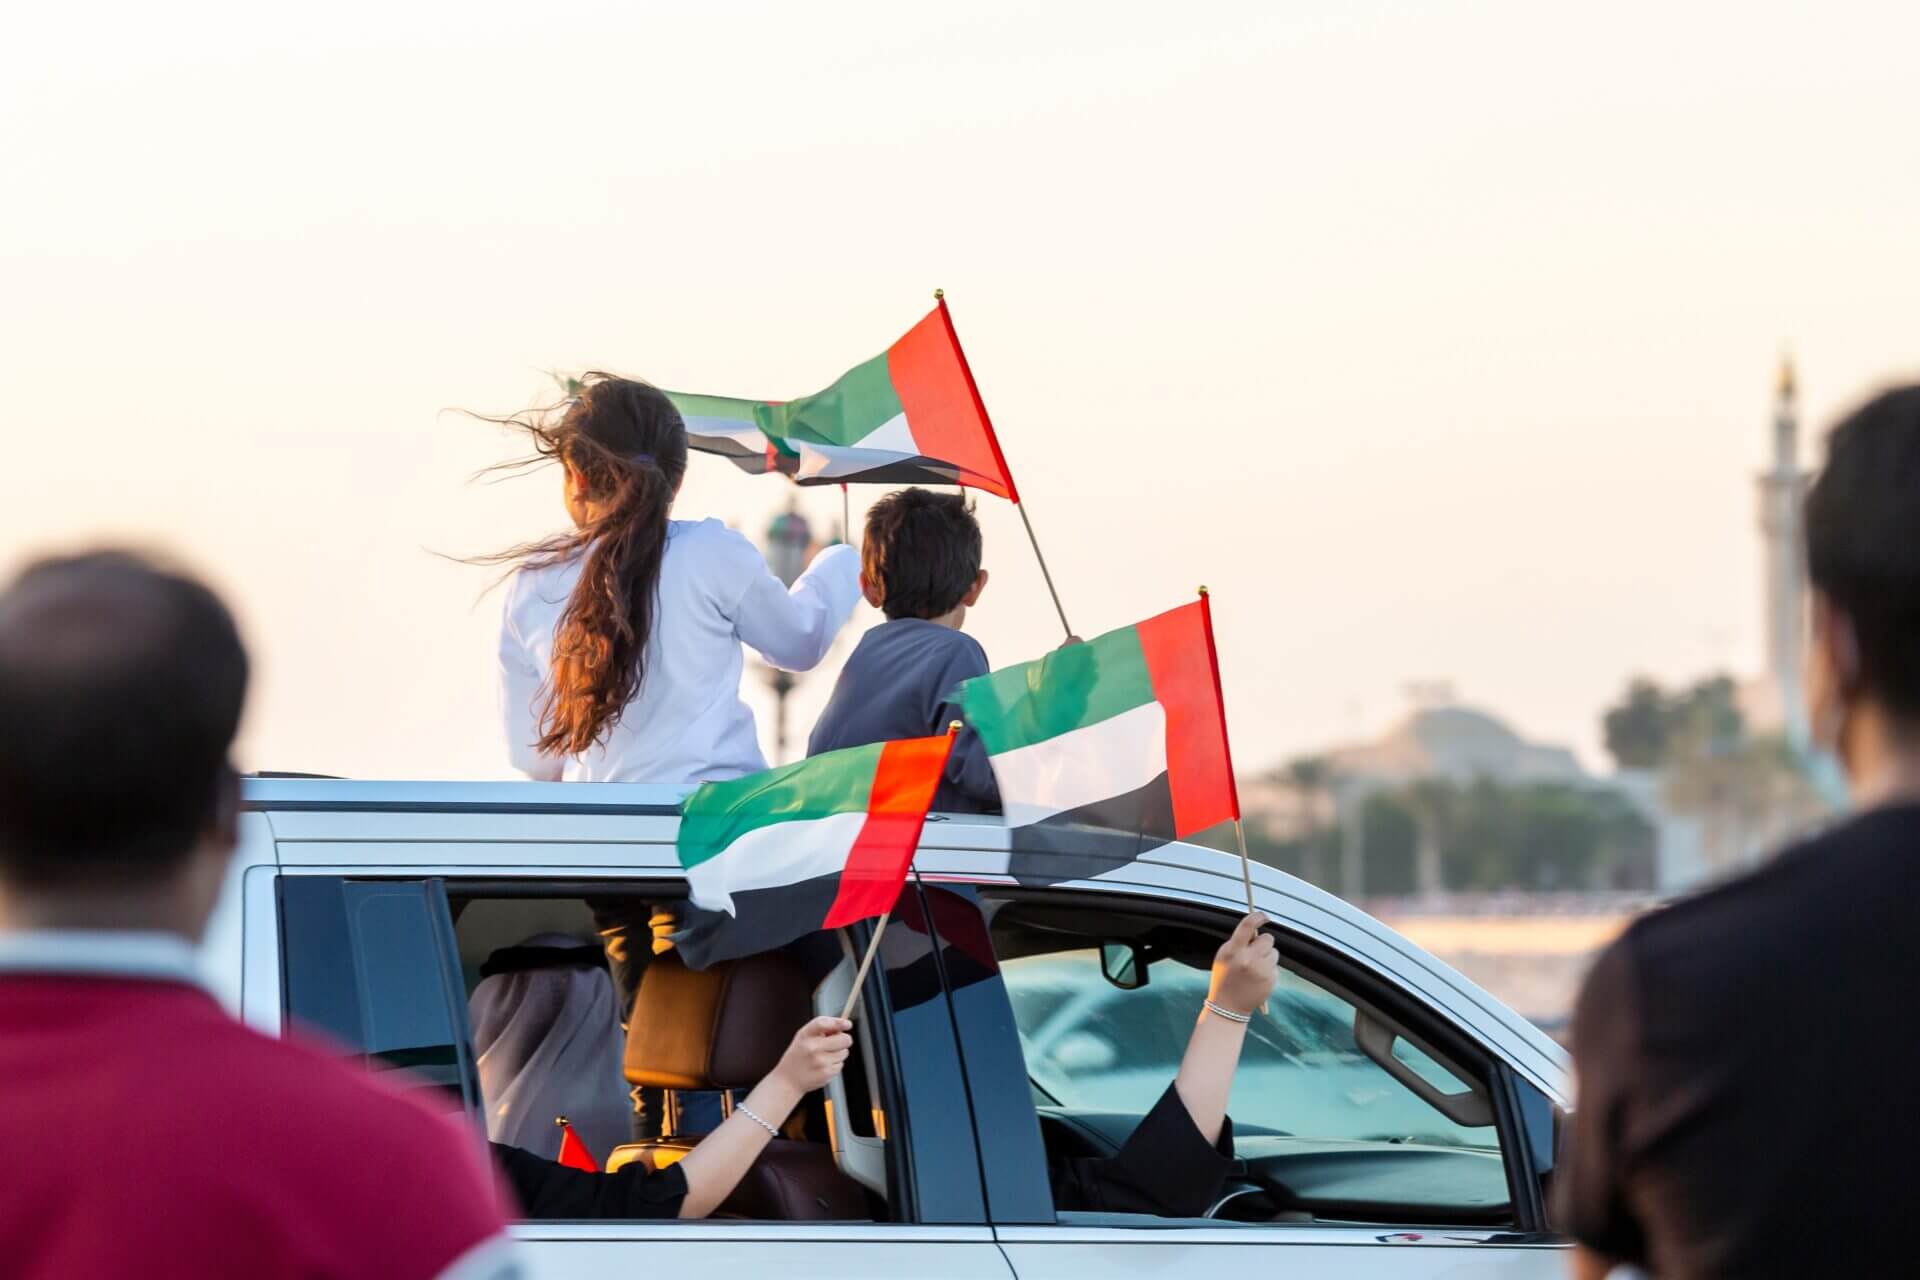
x,y
1070,688
725,408
845,413
719,813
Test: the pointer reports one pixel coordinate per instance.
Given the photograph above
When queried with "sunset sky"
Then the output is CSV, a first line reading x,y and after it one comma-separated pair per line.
x,y
1437,339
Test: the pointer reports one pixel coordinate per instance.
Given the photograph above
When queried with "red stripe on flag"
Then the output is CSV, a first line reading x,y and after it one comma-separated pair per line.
x,y
573,1152
944,410
1179,650
903,786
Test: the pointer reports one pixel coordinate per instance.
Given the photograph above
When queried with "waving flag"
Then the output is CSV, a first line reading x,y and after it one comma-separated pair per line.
x,y
1107,749
815,845
910,415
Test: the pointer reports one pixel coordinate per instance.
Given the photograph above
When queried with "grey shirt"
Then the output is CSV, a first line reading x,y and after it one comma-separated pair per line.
x,y
901,682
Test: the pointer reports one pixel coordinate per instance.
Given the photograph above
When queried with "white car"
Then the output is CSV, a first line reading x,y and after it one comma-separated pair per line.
x,y
1393,1119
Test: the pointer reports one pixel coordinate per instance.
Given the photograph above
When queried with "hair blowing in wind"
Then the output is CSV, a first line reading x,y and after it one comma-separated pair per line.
x,y
628,443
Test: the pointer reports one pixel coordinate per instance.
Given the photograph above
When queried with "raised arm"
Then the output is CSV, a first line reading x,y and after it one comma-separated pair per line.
x,y
715,1166
1244,972
794,628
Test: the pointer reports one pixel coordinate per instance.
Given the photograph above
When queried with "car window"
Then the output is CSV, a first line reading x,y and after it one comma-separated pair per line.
x,y
1094,1047
370,965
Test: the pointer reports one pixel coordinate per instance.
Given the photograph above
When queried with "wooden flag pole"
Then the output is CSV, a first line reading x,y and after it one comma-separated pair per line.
x,y
873,943
1246,864
1239,828
1066,626
866,962
1013,493
846,517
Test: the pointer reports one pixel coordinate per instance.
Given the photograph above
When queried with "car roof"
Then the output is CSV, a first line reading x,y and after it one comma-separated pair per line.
x,y
344,823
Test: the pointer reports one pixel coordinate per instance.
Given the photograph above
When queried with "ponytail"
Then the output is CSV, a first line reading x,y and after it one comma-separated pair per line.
x,y
626,439
600,642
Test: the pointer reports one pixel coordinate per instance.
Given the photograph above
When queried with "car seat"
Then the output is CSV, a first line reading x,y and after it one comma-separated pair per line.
x,y
725,1028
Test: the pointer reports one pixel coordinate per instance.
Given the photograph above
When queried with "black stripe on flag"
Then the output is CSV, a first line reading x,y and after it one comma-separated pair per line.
x,y
904,470
1079,844
763,920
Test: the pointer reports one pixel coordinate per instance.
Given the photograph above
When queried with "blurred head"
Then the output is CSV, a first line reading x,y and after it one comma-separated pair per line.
x,y
921,556
1863,559
623,453
121,685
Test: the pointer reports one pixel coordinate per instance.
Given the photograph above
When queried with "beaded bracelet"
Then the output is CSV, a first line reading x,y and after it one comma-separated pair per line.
x,y
1228,1014
741,1107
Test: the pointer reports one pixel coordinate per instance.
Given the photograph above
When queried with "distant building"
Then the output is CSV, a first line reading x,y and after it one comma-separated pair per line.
x,y
1709,819
1457,744
1774,703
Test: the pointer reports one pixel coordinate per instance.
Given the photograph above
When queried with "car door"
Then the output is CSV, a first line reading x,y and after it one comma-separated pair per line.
x,y
1117,1050
368,955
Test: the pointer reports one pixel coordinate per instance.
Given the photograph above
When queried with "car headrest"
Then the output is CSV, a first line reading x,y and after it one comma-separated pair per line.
x,y
723,1028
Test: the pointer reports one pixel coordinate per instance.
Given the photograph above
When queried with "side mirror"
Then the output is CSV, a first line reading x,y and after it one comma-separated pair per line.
x,y
1124,964
1080,1051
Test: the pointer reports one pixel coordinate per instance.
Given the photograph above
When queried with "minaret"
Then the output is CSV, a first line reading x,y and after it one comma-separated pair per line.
x,y
1781,489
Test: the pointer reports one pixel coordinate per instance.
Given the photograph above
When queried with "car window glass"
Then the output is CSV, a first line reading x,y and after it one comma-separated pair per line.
x,y
370,965
1095,1047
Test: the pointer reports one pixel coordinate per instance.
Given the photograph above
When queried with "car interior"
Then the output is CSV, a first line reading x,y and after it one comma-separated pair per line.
x,y
715,1033
1332,1033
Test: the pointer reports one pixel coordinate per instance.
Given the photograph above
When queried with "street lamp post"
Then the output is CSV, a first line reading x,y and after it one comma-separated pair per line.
x,y
788,540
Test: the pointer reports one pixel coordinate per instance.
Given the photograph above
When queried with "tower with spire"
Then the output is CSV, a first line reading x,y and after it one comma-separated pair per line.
x,y
1782,486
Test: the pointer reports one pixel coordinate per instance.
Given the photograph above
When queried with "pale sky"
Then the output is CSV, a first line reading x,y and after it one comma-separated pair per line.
x,y
1438,339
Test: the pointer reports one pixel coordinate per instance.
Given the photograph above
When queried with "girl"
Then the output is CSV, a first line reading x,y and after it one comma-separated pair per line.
x,y
620,651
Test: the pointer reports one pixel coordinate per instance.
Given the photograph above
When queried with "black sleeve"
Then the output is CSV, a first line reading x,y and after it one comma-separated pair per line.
x,y
1165,1168
548,1190
1590,1193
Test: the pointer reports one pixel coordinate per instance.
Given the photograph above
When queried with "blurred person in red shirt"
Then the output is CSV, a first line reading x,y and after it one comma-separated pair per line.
x,y
152,1134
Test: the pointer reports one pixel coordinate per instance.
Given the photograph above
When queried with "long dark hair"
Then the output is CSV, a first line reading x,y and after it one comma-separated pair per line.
x,y
629,442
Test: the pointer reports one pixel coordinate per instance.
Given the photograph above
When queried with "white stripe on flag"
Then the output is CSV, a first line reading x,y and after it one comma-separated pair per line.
x,y
782,853
743,433
888,442
1097,762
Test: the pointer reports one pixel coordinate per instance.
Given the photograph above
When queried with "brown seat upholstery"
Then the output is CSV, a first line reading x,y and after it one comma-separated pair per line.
x,y
725,1028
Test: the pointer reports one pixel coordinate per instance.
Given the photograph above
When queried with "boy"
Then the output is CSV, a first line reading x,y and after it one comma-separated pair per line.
x,y
919,565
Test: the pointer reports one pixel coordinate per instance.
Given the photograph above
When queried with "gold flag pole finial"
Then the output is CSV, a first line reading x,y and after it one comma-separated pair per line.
x,y
939,294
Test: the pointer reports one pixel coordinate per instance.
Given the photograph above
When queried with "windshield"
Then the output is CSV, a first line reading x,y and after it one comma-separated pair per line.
x,y
1095,1047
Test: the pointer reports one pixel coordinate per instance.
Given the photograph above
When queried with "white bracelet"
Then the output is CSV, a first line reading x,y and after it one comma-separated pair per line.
x,y
742,1108
1228,1014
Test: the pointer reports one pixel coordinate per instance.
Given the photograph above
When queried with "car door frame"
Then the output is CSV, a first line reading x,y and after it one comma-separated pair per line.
x,y
489,841
1188,877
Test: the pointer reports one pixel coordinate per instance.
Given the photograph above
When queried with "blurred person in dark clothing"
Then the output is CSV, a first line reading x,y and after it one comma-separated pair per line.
x,y
1742,1058
120,691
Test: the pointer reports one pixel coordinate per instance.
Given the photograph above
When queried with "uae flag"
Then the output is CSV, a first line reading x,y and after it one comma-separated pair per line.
x,y
774,856
910,415
1107,749
573,1152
